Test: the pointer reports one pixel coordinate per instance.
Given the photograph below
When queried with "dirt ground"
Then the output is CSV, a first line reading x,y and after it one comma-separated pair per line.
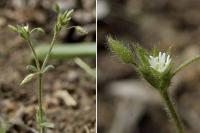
x,y
125,102
69,92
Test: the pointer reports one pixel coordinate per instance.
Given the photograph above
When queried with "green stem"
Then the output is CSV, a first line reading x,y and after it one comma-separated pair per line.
x,y
172,112
49,52
40,81
40,95
34,54
186,64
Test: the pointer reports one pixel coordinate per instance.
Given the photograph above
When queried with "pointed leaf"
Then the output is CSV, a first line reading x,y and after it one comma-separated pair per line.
x,y
47,125
31,68
28,78
48,68
38,120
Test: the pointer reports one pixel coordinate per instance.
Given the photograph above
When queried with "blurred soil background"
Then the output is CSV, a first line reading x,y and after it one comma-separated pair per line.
x,y
69,92
127,104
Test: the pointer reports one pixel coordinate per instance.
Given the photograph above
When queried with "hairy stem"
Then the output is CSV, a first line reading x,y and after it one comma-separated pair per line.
x,y
34,54
49,52
40,91
186,64
40,98
172,112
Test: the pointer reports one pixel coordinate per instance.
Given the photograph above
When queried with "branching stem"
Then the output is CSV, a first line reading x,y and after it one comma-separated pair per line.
x,y
40,90
49,52
34,54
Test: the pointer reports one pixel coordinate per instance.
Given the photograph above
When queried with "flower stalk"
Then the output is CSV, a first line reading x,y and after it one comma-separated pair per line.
x,y
34,53
40,100
172,112
50,49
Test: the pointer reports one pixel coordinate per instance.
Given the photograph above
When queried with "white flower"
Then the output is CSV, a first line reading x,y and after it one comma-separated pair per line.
x,y
26,27
160,63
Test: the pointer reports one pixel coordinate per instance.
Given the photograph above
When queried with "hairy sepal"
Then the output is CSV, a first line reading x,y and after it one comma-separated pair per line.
x,y
158,80
118,48
142,55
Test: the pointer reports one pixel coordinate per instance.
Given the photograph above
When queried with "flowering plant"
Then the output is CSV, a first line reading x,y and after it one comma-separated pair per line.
x,y
155,67
39,69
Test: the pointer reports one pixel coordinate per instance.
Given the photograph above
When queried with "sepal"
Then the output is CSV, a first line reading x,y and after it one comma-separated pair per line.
x,y
118,48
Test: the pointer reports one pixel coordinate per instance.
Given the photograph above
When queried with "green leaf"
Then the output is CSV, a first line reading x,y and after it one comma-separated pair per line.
x,y
28,78
13,28
121,51
47,125
37,115
31,68
48,68
56,8
40,118
81,30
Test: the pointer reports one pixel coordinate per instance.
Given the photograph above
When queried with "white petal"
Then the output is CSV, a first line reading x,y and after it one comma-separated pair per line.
x,y
26,27
160,63
168,58
159,55
162,59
